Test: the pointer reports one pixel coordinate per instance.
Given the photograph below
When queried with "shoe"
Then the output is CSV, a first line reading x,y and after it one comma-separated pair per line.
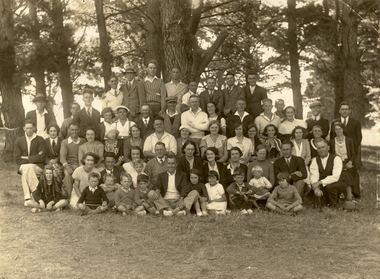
x,y
35,210
26,202
181,213
199,214
250,211
204,213
58,209
168,213
243,211
153,211
141,213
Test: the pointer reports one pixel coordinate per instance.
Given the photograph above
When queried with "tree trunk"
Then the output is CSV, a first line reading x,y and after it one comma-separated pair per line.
x,y
153,40
294,58
105,54
37,62
177,47
13,111
61,55
338,63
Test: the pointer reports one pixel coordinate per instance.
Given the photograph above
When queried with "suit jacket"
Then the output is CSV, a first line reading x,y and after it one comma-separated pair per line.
x,y
172,128
296,164
351,151
222,173
180,183
230,97
37,145
353,130
117,170
184,166
49,117
323,122
230,132
65,127
254,106
217,98
50,152
145,131
84,121
134,97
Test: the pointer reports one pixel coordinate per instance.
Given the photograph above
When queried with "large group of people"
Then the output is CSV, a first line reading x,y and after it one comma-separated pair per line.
x,y
163,148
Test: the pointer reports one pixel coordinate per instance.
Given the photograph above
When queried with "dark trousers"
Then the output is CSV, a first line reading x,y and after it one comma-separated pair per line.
x,y
331,193
238,202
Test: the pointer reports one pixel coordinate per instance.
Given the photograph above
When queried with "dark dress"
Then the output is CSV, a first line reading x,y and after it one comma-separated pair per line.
x,y
184,166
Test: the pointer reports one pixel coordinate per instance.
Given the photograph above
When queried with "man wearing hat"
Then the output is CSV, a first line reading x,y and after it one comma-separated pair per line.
x,y
133,93
317,119
172,119
114,97
176,88
123,124
40,116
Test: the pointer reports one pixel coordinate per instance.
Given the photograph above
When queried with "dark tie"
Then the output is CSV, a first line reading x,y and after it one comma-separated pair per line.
x,y
161,161
146,123
88,113
53,146
128,85
288,162
345,122
211,95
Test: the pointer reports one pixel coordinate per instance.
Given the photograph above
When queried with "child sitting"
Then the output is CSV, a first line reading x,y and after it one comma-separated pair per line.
x,y
285,198
93,199
138,166
217,202
201,204
125,196
141,196
241,193
260,183
110,187
49,194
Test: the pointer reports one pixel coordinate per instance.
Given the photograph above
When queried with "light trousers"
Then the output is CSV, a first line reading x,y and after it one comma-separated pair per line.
x,y
29,178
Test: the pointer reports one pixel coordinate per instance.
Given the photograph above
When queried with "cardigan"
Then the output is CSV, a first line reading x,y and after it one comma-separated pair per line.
x,y
184,166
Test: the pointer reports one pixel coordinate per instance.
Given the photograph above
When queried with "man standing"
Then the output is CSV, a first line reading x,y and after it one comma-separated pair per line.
x,y
267,117
317,119
173,187
172,119
145,121
154,88
175,88
254,94
210,94
240,116
114,97
69,155
325,173
231,94
293,165
29,153
74,109
133,93
159,135
193,87
40,116
158,164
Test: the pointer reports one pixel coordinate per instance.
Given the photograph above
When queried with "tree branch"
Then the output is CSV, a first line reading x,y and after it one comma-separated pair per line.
x,y
211,7
195,18
190,36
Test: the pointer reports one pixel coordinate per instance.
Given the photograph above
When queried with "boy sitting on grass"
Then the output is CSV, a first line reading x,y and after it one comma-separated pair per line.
x,y
110,187
285,198
241,193
93,199
125,196
141,196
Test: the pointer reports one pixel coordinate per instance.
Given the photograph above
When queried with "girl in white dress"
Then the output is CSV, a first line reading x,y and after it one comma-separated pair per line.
x,y
217,202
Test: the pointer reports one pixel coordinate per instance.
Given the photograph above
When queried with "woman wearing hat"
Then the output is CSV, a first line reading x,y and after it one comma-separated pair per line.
x,y
123,124
108,124
184,135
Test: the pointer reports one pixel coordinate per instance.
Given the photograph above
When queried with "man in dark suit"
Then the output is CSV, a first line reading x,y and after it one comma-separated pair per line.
x,y
254,94
29,153
87,116
41,117
317,119
211,95
145,121
74,109
109,162
133,93
240,116
173,187
293,165
53,145
231,94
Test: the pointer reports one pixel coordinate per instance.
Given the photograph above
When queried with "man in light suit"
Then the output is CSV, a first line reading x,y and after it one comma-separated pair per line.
x,y
133,93
172,186
41,117
210,94
29,153
254,94
231,94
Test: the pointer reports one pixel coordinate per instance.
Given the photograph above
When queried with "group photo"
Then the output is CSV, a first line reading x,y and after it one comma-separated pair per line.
x,y
187,155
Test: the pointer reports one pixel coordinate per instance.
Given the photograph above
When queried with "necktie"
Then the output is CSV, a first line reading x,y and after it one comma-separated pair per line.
x,y
128,85
211,94
53,145
345,122
88,112
161,161
146,122
288,162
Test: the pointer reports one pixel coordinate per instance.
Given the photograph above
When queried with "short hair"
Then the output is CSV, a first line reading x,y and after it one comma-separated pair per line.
x,y
138,162
160,143
241,99
344,104
230,74
234,148
212,122
142,178
134,126
279,101
175,67
108,175
189,142
213,174
106,110
252,125
153,61
74,124
93,175
216,108
323,140
304,131
211,78
214,150
136,148
283,175
117,132
93,155
267,100
257,168
288,142
196,172
29,121
124,174
113,76
290,107
109,155
265,132
88,91
260,147
160,118
251,74
194,96
90,128
74,104
239,171
317,126
53,125
171,156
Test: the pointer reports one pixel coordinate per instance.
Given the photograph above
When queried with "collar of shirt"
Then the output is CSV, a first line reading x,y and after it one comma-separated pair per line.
x,y
240,186
229,167
43,113
159,159
342,119
179,83
244,114
325,158
70,140
288,159
51,141
266,117
171,174
210,91
198,111
88,108
151,80
109,171
171,115
32,138
230,87
93,189
146,119
252,88
125,190
316,118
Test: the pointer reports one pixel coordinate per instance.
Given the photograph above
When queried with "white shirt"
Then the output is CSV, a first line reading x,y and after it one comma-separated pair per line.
x,y
186,97
342,119
70,140
151,80
29,141
245,146
171,115
252,88
108,127
146,120
242,117
199,120
124,129
316,118
41,124
169,141
171,192
262,121
337,170
113,99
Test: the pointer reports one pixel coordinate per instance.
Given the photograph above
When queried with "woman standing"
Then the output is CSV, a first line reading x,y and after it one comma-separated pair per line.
x,y
108,124
301,144
253,135
189,161
92,146
214,139
212,111
244,144
289,123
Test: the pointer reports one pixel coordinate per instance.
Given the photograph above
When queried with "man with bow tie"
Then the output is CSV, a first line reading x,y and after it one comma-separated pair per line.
x,y
317,119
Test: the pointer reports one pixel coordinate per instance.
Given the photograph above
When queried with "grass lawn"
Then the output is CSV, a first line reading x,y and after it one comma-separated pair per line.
x,y
327,244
